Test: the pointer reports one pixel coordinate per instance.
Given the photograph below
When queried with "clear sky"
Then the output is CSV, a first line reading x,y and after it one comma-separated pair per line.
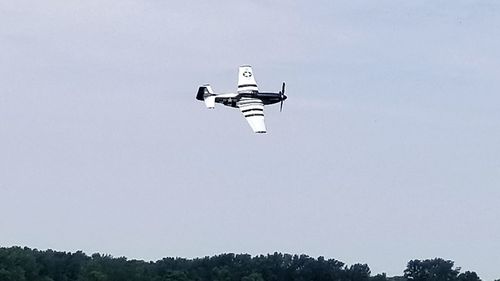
x,y
388,147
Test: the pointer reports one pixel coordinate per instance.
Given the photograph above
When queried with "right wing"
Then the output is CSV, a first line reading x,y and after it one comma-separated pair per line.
x,y
246,80
253,110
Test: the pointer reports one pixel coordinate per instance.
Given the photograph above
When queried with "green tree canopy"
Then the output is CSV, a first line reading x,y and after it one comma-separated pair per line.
x,y
431,270
24,264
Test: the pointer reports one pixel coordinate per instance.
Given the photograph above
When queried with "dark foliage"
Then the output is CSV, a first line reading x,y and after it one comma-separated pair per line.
x,y
24,264
436,270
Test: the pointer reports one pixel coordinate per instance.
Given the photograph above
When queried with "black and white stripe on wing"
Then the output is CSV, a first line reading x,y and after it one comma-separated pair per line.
x,y
247,85
253,110
251,107
248,88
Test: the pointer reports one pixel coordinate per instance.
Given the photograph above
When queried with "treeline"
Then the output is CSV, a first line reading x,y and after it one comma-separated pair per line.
x,y
25,264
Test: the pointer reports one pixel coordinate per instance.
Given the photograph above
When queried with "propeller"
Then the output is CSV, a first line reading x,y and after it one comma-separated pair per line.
x,y
282,96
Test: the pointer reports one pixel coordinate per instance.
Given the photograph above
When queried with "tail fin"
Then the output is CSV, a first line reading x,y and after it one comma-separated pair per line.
x,y
206,94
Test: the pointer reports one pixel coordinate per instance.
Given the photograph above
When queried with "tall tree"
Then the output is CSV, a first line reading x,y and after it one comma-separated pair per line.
x,y
468,276
431,270
359,272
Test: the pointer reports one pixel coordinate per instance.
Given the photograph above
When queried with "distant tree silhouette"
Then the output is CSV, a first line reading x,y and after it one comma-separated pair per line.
x,y
431,270
379,277
468,276
24,264
359,272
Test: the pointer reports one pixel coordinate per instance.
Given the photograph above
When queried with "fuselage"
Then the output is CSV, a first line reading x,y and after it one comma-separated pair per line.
x,y
266,98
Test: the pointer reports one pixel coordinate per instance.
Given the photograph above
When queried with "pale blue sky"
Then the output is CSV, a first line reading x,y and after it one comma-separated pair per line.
x,y
388,148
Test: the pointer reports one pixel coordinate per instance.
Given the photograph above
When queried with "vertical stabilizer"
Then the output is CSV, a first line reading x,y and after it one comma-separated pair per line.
x,y
206,94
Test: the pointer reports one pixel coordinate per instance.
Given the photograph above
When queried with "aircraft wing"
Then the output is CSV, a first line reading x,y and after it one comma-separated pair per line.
x,y
246,80
253,110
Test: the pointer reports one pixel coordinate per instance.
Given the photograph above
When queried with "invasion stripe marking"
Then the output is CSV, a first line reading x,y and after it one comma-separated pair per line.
x,y
254,101
255,114
254,105
256,109
247,85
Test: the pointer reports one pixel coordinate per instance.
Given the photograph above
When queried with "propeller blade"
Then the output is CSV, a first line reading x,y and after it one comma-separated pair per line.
x,y
282,96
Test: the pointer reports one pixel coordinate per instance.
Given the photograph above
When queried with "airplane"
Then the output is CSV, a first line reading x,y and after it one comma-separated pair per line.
x,y
247,98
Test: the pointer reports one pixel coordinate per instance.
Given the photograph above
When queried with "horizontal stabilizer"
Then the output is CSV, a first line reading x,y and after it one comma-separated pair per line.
x,y
210,101
206,94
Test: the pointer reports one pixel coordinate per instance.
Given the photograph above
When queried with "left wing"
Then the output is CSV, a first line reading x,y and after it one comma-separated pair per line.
x,y
253,110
